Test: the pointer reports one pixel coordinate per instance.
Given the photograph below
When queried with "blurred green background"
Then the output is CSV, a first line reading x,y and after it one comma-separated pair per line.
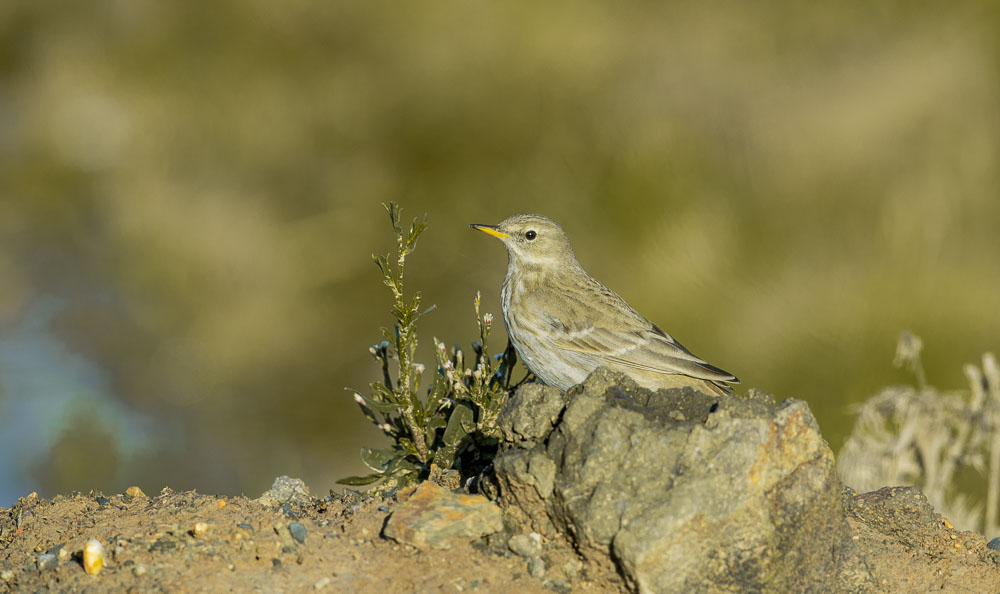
x,y
189,197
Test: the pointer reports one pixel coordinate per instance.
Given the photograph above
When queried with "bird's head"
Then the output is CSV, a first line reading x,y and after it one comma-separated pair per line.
x,y
532,239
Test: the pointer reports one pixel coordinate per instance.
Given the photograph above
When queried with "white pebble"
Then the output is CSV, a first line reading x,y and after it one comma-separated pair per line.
x,y
322,583
93,557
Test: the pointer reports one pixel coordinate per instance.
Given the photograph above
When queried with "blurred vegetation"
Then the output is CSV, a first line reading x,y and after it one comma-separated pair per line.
x,y
781,187
947,443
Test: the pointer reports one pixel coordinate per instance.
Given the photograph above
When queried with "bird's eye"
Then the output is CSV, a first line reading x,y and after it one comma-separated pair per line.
x,y
530,235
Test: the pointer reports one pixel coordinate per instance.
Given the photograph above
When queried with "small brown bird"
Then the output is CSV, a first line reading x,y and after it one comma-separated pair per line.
x,y
564,323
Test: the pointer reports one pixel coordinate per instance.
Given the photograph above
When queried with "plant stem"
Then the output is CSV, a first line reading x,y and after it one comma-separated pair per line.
x,y
991,419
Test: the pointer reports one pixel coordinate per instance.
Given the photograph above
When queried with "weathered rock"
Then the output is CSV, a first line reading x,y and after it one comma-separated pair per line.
x,y
901,512
525,545
684,491
434,517
298,532
536,567
285,489
46,561
899,533
904,515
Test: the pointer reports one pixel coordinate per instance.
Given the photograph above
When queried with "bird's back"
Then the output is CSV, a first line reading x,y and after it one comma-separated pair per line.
x,y
565,324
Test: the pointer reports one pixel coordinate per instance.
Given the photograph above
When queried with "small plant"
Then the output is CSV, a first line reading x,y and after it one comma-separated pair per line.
x,y
917,435
452,427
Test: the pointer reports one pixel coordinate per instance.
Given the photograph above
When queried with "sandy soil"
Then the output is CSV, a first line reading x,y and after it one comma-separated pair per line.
x,y
189,542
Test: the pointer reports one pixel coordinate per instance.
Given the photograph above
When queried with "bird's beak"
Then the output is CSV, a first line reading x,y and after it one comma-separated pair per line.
x,y
490,230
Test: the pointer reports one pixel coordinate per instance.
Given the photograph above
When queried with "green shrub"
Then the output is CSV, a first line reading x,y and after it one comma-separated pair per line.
x,y
453,426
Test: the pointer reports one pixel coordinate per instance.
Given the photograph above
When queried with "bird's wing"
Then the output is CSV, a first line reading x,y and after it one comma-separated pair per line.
x,y
599,323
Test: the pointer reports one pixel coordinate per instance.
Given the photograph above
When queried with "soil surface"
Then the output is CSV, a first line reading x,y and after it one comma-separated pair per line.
x,y
910,548
190,542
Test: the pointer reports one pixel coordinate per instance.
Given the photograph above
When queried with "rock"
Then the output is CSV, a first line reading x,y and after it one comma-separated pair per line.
x,y
903,515
298,532
285,535
525,545
46,561
536,567
684,491
322,583
531,413
447,478
6,575
59,551
571,568
994,544
93,557
285,490
134,491
434,517
900,512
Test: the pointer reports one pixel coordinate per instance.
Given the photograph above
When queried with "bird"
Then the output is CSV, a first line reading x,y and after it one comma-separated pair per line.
x,y
564,323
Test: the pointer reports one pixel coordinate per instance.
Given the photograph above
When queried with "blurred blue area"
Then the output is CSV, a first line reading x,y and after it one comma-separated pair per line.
x,y
42,384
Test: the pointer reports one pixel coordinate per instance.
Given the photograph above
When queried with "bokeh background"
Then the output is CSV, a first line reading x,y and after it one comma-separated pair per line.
x,y
190,191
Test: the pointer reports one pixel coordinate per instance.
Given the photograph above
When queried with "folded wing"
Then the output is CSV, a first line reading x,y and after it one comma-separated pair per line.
x,y
614,332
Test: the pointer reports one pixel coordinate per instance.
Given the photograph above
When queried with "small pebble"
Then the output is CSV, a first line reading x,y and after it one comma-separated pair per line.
x,y
322,583
525,545
46,561
245,526
994,544
102,500
572,568
134,491
6,575
536,567
298,532
200,528
93,557
383,508
59,551
139,570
